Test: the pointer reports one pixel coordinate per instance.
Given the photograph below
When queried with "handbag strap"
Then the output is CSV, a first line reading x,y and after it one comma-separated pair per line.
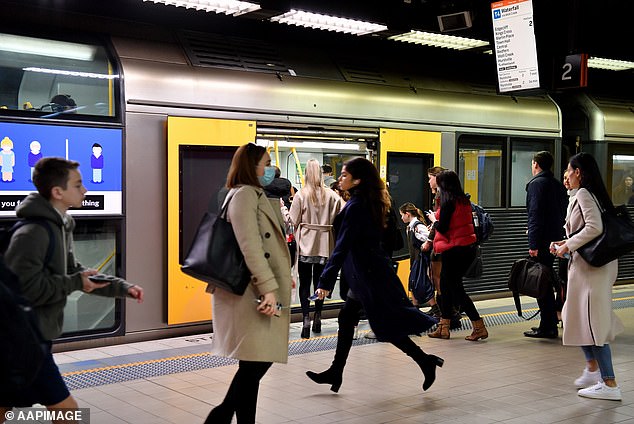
x,y
601,210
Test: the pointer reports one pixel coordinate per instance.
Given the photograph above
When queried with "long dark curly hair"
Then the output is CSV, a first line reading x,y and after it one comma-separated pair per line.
x,y
371,189
450,188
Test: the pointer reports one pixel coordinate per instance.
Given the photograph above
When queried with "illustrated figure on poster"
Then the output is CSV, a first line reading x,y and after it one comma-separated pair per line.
x,y
35,154
7,159
96,163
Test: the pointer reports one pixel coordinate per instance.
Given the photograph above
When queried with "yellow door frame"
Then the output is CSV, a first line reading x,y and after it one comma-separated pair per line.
x,y
187,300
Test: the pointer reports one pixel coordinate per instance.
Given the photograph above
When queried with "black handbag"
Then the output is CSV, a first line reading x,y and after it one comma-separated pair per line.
x,y
529,278
215,256
616,240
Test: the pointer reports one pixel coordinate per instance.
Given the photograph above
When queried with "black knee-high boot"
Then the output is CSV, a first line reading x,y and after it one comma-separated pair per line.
x,y
242,396
427,363
319,304
334,374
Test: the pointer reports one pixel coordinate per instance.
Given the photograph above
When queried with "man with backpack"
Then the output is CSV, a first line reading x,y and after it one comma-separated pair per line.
x,y
46,283
546,202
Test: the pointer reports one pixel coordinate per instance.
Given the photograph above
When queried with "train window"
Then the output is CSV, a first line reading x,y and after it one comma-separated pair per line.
x,y
55,79
622,178
522,152
96,246
480,168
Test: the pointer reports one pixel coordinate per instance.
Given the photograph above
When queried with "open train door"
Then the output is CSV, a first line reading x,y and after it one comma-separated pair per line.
x,y
404,158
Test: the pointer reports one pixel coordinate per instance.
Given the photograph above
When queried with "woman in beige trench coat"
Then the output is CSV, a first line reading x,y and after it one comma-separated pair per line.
x,y
587,315
254,333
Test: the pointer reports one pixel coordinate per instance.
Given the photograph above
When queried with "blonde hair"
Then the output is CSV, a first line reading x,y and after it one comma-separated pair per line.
x,y
6,142
314,183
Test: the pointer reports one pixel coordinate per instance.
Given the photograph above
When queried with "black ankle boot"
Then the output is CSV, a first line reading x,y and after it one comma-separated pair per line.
x,y
317,322
219,415
428,365
331,376
306,327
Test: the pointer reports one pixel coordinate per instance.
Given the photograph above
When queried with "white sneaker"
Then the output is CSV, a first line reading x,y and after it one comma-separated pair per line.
x,y
588,378
601,391
370,335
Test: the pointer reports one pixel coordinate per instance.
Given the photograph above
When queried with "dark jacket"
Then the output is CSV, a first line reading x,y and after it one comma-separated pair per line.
x,y
546,203
279,188
48,287
369,272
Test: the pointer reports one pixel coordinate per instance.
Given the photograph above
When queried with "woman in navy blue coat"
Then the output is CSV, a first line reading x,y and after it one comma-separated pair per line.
x,y
374,286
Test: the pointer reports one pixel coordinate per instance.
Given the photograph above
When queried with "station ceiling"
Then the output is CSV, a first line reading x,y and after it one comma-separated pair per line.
x,y
599,28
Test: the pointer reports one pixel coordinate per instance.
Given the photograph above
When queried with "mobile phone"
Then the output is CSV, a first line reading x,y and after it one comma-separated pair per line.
x,y
278,307
101,278
313,297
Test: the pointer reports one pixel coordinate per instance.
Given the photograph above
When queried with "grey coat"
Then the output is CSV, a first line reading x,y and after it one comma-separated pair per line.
x,y
587,314
240,331
47,287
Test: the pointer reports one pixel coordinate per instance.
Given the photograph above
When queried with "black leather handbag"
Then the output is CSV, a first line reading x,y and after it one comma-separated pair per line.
x,y
616,240
215,256
529,278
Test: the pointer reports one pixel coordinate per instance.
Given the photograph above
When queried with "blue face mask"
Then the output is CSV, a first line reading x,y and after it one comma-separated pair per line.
x,y
269,175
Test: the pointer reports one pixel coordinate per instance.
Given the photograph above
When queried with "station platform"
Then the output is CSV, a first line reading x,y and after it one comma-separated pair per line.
x,y
506,378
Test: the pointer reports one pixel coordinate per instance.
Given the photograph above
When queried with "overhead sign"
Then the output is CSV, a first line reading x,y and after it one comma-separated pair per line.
x,y
98,151
573,71
515,48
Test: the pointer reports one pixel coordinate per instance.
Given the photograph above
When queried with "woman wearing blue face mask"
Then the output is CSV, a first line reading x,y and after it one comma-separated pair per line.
x,y
313,210
252,328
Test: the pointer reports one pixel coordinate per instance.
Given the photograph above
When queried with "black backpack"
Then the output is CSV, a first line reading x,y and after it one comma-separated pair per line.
x,y
23,348
482,223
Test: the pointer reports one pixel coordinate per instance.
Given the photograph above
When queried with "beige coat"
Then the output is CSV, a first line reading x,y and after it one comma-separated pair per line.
x,y
314,223
587,314
240,331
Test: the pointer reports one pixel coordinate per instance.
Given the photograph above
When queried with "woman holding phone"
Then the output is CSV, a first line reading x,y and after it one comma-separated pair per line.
x,y
374,286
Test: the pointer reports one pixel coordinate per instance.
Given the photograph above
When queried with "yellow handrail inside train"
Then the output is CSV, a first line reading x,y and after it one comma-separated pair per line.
x,y
277,154
299,166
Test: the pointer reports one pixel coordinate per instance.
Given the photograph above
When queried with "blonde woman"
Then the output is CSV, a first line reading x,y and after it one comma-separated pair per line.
x,y
313,210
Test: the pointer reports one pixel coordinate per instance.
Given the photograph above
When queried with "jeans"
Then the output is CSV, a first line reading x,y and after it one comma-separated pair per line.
x,y
603,355
455,262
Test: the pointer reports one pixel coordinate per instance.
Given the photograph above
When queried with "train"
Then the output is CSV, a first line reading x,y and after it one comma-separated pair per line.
x,y
168,107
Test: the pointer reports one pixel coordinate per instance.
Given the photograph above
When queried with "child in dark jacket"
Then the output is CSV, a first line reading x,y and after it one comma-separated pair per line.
x,y
47,283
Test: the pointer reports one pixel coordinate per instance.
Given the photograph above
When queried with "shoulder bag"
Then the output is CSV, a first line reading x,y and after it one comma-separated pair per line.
x,y
616,240
529,278
215,256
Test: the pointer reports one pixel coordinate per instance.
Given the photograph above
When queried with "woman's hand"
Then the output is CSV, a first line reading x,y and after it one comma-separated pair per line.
x,y
322,293
554,245
562,250
268,304
431,216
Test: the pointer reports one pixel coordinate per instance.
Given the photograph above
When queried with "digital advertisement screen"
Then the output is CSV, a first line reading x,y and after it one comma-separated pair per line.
x,y
98,151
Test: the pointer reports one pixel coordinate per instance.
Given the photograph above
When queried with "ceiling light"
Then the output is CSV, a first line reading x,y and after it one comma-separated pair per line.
x,y
228,7
610,64
299,145
439,40
328,23
70,73
48,48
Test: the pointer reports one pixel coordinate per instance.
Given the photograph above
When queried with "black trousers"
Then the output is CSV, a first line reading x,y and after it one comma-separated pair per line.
x,y
242,396
547,304
309,278
455,263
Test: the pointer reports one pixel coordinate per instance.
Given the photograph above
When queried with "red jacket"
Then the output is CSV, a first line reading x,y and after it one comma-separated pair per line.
x,y
461,231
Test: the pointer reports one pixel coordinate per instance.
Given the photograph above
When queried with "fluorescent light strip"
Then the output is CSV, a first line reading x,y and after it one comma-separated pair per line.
x,y
48,48
71,73
439,40
328,23
265,142
228,7
609,64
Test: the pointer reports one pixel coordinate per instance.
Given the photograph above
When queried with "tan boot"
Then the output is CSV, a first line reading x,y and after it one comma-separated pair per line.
x,y
442,331
479,331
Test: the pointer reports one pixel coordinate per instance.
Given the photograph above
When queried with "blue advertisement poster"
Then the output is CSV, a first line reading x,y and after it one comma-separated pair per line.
x,y
98,151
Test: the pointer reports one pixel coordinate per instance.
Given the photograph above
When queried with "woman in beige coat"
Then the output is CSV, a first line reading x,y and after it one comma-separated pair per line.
x,y
252,328
313,210
587,315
